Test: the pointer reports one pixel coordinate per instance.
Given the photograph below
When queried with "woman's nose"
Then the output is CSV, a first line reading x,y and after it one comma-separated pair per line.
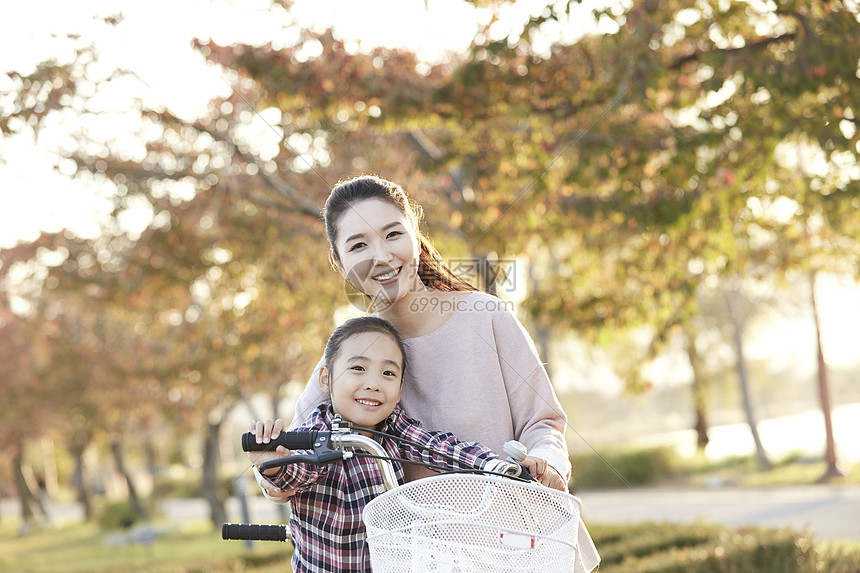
x,y
382,253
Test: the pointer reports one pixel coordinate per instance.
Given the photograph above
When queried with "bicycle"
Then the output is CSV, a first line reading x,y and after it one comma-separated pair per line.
x,y
453,522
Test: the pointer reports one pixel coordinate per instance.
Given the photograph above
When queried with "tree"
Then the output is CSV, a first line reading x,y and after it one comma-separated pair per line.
x,y
628,167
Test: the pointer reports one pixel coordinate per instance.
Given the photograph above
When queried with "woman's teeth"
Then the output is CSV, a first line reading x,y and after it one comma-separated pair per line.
x,y
386,276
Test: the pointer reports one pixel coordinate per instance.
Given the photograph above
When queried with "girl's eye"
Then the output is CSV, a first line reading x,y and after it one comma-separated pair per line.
x,y
393,234
389,373
357,368
356,246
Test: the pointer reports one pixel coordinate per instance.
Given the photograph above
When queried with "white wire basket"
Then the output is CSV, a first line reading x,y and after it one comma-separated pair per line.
x,y
459,523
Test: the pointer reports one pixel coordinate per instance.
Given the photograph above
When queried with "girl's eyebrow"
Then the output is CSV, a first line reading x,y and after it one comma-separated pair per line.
x,y
360,357
384,228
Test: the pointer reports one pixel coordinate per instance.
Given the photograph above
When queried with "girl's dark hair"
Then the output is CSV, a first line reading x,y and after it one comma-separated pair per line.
x,y
432,270
360,325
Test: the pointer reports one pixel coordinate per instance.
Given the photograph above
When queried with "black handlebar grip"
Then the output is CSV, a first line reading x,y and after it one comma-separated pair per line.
x,y
296,440
254,531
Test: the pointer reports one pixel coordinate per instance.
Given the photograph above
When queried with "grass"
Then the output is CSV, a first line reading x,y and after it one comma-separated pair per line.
x,y
744,472
641,547
663,466
86,549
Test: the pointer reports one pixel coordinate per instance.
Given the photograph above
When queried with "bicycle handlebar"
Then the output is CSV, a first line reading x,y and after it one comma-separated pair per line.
x,y
294,440
254,532
328,447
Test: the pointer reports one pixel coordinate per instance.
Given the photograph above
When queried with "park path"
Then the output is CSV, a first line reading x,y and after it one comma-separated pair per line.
x,y
830,512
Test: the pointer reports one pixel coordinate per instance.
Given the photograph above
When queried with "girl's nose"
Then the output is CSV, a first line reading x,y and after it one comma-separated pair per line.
x,y
371,384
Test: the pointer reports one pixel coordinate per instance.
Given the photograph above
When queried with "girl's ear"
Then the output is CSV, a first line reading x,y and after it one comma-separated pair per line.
x,y
323,380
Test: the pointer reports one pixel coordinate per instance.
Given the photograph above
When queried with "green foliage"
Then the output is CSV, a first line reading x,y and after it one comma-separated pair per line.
x,y
703,548
639,548
83,549
636,467
629,168
664,466
117,515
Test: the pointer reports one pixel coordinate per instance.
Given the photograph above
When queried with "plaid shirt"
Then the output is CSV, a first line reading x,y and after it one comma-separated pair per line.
x,y
326,511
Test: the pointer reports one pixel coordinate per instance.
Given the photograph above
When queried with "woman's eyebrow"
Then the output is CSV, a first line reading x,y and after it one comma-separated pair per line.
x,y
384,228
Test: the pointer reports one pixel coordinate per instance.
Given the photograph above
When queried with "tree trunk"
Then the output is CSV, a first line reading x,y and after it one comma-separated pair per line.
x,y
119,460
737,319
82,493
212,490
543,344
700,389
488,274
26,497
824,392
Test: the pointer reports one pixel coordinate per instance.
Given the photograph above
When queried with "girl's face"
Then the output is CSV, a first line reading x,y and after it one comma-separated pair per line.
x,y
378,249
365,378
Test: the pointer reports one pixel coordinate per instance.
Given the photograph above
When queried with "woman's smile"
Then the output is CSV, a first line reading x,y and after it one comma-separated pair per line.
x,y
388,277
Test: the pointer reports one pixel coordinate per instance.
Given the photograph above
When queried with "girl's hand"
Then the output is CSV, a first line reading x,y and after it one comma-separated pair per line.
x,y
259,458
544,473
266,431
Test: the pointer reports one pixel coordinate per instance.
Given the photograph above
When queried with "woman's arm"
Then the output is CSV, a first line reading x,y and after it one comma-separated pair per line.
x,y
538,418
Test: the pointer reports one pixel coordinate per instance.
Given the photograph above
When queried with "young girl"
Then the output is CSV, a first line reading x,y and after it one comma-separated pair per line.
x,y
362,372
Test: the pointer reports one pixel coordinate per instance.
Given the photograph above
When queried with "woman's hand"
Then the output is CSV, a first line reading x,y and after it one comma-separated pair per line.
x,y
544,473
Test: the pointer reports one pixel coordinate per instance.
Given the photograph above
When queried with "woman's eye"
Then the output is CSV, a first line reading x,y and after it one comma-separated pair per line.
x,y
393,234
356,246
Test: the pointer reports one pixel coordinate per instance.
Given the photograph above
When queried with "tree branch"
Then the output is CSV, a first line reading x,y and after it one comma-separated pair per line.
x,y
759,45
305,206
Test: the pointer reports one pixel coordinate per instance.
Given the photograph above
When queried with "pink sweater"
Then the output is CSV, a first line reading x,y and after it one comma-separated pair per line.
x,y
479,377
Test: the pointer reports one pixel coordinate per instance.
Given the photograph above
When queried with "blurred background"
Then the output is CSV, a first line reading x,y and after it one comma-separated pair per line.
x,y
667,192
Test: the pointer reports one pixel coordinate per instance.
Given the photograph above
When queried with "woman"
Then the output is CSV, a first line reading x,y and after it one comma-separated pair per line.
x,y
473,368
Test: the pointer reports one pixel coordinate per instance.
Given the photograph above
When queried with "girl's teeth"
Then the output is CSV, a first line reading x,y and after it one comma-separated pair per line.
x,y
386,276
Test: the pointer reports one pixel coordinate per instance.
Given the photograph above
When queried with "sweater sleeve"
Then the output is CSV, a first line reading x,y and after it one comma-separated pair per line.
x,y
440,446
538,418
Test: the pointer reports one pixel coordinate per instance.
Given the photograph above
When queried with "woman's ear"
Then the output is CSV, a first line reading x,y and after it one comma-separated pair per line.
x,y
323,380
335,263
340,268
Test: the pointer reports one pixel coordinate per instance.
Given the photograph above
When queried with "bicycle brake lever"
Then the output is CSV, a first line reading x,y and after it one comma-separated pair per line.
x,y
317,458
515,470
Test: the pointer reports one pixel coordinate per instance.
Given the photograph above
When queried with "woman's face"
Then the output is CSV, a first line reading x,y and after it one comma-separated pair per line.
x,y
365,378
378,249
